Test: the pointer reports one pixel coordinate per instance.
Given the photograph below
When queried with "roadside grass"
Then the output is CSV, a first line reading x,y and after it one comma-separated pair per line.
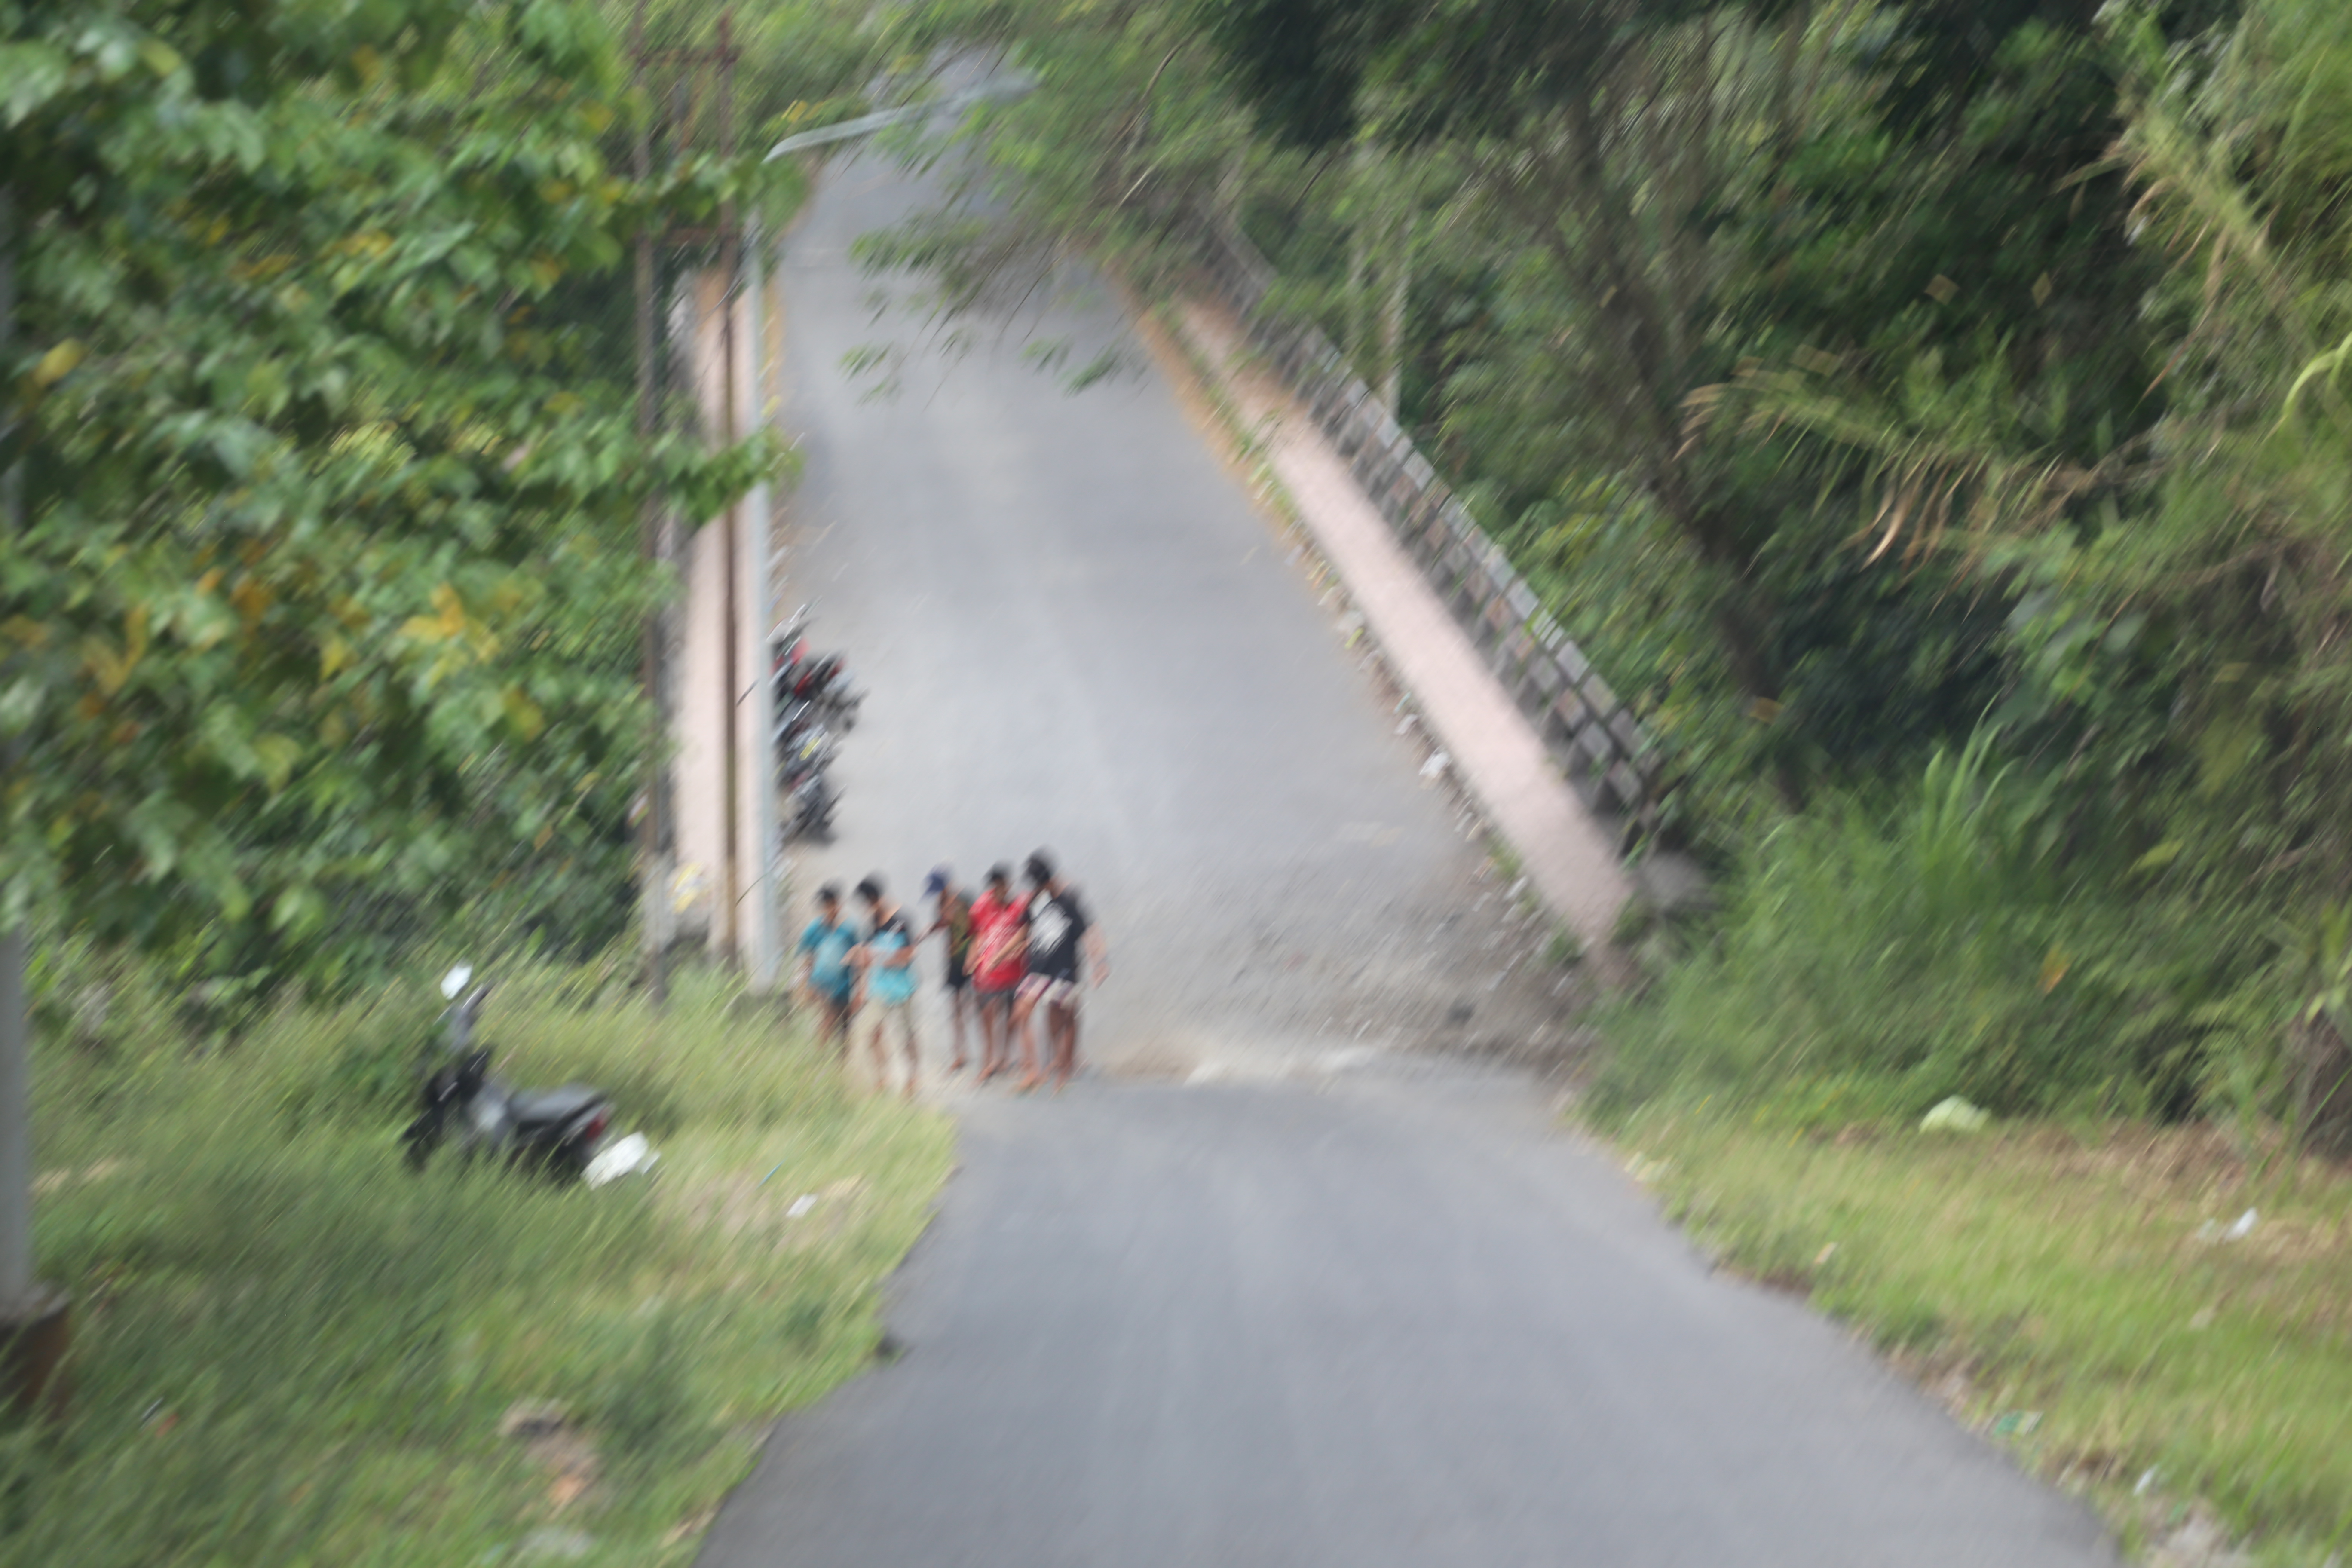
x,y
289,1350
2071,1292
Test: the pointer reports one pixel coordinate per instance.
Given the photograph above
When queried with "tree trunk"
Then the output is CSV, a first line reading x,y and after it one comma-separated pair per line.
x,y
1359,267
1392,319
15,1060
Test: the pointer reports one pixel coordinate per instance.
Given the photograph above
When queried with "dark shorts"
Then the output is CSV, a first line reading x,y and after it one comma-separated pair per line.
x,y
995,995
835,1004
957,979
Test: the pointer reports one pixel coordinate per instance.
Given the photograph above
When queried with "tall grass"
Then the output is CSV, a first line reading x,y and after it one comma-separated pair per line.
x,y
1872,960
290,1349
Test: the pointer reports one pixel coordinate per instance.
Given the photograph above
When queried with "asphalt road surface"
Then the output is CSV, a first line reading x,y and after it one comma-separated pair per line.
x,y
1075,631
1284,1280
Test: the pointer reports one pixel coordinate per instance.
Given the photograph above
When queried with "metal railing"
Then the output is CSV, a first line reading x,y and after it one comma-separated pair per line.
x,y
1598,743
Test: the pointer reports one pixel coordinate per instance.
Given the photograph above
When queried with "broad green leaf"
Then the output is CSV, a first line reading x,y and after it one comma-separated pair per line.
x,y
31,76
278,755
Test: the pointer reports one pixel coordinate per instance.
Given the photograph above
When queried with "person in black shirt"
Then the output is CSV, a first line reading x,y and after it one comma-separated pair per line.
x,y
1060,937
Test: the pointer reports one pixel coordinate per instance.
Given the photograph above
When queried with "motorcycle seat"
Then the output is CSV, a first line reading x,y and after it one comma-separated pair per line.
x,y
538,1107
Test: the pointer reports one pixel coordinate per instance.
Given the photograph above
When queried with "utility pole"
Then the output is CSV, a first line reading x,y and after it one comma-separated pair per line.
x,y
651,834
767,955
681,88
34,1322
728,909
15,1066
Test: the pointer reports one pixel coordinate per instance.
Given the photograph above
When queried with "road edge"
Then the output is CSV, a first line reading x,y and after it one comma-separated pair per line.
x,y
1492,753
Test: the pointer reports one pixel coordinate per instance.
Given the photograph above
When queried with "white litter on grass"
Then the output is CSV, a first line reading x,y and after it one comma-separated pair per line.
x,y
1955,1115
801,1206
2237,1229
627,1157
1436,765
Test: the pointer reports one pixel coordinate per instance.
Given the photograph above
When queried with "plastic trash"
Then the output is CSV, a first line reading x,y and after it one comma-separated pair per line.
x,y
1955,1115
627,1157
1436,765
2237,1229
801,1206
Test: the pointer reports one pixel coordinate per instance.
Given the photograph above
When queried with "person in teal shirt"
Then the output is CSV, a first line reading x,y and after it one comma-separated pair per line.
x,y
828,977
887,958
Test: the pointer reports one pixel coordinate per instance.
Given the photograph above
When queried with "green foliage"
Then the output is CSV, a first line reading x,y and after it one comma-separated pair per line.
x,y
290,1349
1871,961
800,64
319,623
1931,418
647,1406
1128,126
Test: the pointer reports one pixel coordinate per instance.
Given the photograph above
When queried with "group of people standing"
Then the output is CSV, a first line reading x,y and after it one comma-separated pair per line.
x,y
1011,954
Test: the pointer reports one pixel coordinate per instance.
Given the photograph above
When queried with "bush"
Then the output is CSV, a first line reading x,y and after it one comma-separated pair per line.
x,y
1870,962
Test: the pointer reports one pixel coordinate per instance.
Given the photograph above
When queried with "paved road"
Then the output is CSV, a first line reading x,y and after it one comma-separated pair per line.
x,y
1373,1308
1402,1322
1075,631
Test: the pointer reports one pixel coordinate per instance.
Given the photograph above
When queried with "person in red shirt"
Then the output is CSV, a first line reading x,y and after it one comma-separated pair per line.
x,y
1000,936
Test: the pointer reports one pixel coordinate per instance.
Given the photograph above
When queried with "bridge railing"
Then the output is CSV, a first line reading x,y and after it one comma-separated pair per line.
x,y
1595,739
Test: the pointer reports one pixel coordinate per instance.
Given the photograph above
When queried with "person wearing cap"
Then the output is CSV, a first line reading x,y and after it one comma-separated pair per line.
x,y
1058,932
999,946
951,916
827,980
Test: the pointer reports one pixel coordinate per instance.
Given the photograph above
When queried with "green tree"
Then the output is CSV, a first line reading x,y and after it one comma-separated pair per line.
x,y
325,573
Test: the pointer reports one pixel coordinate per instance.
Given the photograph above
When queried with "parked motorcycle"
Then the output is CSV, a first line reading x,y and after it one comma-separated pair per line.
x,y
820,681
815,699
804,777
555,1131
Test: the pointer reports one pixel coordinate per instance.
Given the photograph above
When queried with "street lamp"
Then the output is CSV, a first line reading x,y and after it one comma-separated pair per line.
x,y
1002,89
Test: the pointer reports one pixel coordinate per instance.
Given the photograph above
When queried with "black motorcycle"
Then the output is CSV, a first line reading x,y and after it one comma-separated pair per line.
x,y
820,682
804,763
553,1131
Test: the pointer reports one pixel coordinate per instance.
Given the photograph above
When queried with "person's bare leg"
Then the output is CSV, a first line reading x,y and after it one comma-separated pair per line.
x,y
993,1053
1061,1022
914,1053
1024,1027
957,1000
879,1039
